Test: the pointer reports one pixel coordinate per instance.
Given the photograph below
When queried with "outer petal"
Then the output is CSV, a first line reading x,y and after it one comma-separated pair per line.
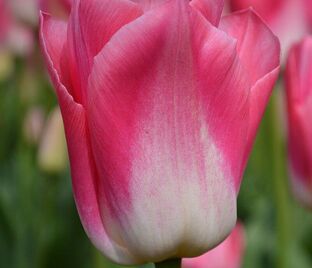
x,y
82,167
259,51
54,33
228,254
168,114
211,9
299,100
285,18
92,23
268,9
258,47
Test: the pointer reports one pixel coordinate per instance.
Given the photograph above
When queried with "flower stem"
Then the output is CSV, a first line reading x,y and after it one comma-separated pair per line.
x,y
172,263
280,184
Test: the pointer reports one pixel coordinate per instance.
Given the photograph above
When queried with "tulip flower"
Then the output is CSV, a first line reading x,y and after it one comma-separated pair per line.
x,y
287,18
299,104
161,102
228,254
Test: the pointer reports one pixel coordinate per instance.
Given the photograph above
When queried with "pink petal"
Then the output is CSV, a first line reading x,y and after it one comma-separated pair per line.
x,y
228,254
54,33
268,9
82,167
146,5
259,51
286,18
308,8
299,104
258,47
211,9
168,114
91,25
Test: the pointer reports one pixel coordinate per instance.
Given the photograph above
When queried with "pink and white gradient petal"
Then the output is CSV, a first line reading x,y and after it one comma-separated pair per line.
x,y
160,132
82,166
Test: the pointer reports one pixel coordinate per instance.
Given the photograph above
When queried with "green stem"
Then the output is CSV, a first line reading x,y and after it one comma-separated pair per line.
x,y
280,188
173,263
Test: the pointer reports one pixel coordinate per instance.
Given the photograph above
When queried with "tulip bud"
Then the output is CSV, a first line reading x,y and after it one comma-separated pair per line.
x,y
161,101
299,104
228,254
52,156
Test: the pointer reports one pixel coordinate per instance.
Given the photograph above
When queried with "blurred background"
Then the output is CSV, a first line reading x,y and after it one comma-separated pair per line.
x,y
39,225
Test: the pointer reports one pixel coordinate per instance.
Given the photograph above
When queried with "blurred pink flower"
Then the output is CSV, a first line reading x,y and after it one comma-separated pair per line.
x,y
287,18
228,254
299,103
15,37
161,101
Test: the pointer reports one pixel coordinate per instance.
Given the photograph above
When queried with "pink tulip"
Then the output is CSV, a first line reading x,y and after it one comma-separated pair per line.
x,y
160,102
299,103
287,18
228,254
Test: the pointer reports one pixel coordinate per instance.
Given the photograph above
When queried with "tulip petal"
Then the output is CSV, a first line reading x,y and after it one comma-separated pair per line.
x,y
91,24
99,20
299,104
146,5
259,51
167,110
229,254
54,32
82,167
267,9
258,47
210,9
